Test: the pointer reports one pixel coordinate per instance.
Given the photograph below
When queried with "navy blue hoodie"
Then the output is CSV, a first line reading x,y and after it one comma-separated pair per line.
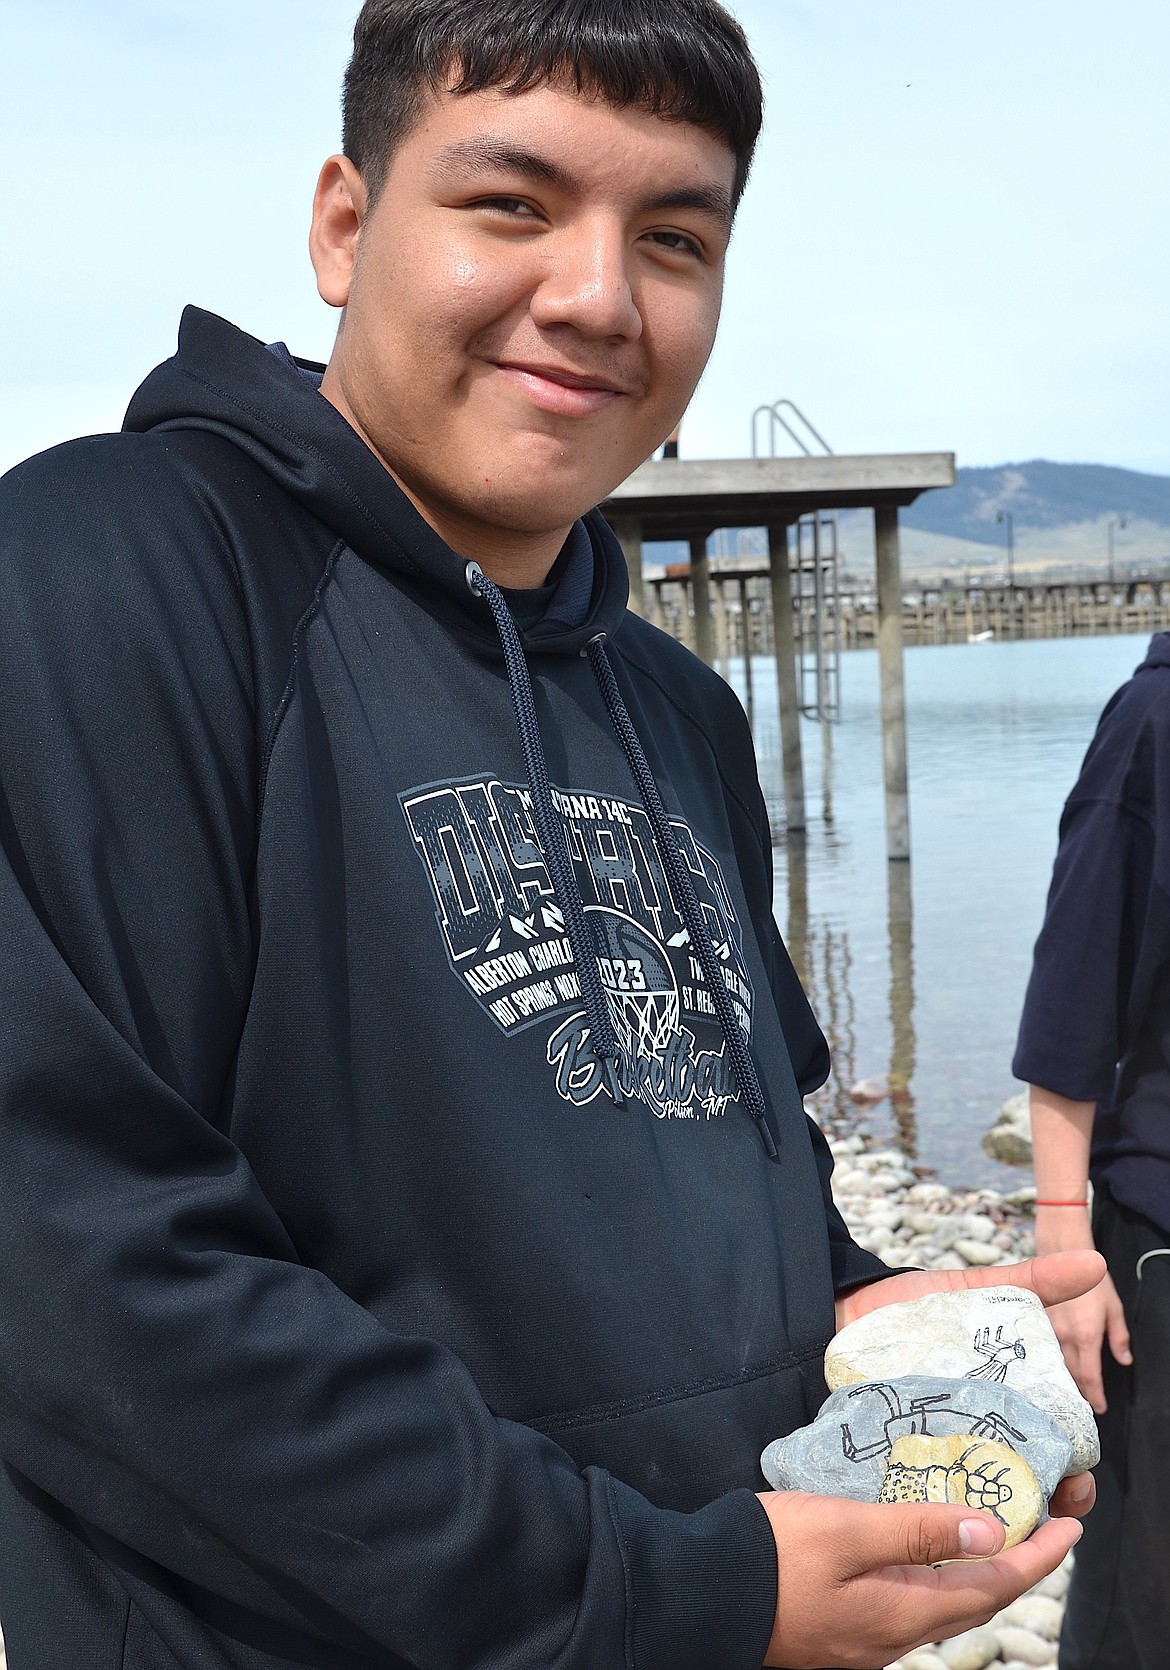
x,y
355,1308
1096,1023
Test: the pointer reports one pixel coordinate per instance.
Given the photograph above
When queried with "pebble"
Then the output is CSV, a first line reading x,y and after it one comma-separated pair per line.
x,y
973,1650
1039,1613
978,1252
1055,1585
1024,1645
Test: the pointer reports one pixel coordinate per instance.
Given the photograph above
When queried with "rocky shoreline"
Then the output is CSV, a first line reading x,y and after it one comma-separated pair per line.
x,y
896,1212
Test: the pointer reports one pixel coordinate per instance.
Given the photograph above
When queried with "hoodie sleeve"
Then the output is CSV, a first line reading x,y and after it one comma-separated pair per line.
x,y
171,1373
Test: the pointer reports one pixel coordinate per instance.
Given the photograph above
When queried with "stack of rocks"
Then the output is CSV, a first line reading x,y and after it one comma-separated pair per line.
x,y
908,1220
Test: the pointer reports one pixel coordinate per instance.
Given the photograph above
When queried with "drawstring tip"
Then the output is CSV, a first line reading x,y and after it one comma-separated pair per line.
x,y
613,1083
766,1137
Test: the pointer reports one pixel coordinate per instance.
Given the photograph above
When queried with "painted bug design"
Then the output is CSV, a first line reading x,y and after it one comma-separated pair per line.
x,y
976,1478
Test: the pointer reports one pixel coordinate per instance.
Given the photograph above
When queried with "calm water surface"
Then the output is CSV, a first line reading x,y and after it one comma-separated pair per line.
x,y
922,983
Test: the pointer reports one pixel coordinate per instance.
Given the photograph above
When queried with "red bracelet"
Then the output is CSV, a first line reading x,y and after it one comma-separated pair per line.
x,y
1060,1203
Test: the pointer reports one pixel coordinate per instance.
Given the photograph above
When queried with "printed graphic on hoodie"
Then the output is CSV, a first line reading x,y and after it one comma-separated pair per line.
x,y
506,942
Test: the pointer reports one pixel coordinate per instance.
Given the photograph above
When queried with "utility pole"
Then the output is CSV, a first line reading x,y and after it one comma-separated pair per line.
x,y
1114,522
1005,516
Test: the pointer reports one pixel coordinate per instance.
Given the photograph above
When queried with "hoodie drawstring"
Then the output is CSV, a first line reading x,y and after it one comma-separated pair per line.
x,y
689,907
551,831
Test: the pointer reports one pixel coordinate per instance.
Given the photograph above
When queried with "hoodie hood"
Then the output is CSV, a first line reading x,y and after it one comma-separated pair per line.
x,y
1158,654
223,380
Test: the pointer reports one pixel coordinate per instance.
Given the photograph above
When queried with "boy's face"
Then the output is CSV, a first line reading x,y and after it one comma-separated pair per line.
x,y
529,304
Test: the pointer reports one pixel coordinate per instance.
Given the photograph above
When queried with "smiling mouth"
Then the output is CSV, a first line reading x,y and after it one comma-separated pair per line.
x,y
564,393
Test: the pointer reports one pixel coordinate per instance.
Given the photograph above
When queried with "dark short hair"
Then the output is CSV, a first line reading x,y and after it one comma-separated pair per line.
x,y
683,60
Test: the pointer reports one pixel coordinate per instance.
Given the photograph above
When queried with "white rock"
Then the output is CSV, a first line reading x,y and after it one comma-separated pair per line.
x,y
976,1228
948,1261
1025,1645
1055,1585
998,1334
978,1252
847,1178
881,1216
973,1650
1039,1613
924,1659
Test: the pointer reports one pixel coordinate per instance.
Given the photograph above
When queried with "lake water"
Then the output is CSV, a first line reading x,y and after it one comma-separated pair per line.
x,y
922,984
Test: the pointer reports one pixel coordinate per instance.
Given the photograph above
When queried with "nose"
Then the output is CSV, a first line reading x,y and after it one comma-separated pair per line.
x,y
587,285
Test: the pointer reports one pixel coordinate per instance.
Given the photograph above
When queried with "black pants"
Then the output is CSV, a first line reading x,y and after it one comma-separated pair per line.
x,y
1118,1615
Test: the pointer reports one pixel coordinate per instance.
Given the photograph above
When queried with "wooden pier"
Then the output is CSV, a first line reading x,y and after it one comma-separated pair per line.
x,y
740,605
671,499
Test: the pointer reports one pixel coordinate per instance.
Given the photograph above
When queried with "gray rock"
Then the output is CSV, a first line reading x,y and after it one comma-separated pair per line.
x,y
973,1650
985,1335
1010,1139
847,1449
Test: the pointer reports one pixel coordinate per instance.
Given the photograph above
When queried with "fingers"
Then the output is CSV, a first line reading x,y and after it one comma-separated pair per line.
x,y
1118,1329
1081,1326
1073,1497
1084,1362
1085,1368
915,1535
861,1583
1053,1278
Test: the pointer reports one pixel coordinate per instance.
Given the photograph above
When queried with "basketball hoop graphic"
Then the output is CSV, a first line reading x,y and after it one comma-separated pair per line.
x,y
639,984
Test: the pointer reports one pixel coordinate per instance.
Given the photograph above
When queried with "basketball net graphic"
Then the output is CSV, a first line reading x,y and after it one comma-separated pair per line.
x,y
645,1022
639,985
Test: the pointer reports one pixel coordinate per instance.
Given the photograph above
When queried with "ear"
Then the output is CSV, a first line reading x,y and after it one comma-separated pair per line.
x,y
339,206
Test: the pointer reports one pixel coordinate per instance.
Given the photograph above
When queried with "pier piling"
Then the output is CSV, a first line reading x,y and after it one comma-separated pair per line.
x,y
893,686
784,638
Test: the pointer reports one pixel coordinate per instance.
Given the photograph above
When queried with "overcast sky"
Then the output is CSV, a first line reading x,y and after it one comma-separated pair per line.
x,y
956,236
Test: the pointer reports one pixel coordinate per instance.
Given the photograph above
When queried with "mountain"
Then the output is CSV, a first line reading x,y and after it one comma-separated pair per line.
x,y
1061,525
1039,495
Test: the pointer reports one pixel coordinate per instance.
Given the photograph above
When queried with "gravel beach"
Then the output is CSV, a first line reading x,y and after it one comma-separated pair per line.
x,y
907,1219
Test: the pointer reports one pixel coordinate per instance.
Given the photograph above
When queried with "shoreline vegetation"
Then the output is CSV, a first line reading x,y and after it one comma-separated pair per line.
x,y
896,1210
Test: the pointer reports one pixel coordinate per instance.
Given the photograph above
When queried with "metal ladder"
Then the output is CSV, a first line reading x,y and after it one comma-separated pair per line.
x,y
816,587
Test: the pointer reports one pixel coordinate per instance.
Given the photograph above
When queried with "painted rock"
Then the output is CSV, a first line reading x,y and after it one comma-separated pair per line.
x,y
971,1472
995,1336
985,1441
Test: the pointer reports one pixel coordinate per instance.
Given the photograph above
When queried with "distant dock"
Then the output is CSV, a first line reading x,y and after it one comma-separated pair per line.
x,y
741,607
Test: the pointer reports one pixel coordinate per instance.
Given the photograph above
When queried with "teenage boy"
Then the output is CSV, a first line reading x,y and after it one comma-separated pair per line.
x,y
412,1232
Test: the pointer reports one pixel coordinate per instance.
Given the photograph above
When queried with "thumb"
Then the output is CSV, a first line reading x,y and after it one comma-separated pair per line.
x,y
920,1535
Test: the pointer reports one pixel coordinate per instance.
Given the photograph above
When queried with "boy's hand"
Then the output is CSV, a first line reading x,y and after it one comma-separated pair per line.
x,y
856,1584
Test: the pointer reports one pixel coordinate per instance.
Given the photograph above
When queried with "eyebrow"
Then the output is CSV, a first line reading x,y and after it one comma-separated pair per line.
x,y
483,156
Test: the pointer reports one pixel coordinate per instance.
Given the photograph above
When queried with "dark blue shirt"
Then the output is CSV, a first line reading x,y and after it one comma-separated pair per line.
x,y
1096,1022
